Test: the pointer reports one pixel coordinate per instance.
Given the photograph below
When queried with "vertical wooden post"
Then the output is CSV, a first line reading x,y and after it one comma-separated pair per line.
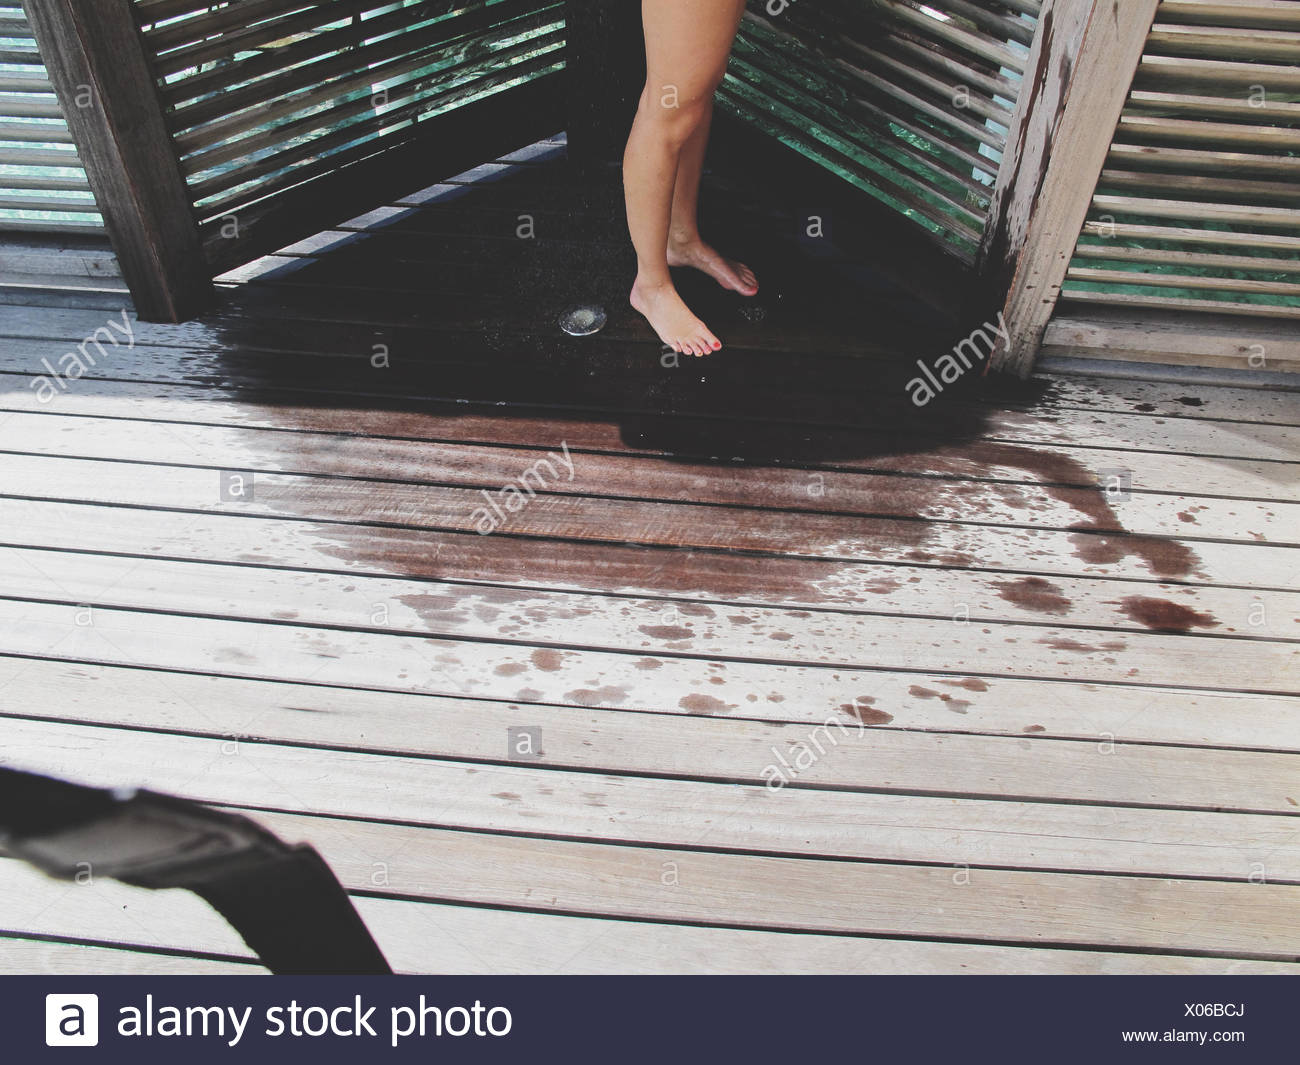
x,y
1030,138
96,62
1081,68
605,69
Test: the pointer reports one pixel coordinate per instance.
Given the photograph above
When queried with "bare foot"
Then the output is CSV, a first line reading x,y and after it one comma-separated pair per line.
x,y
726,272
672,319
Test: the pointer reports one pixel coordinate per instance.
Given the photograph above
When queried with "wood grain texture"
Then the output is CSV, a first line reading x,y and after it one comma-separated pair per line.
x,y
1100,78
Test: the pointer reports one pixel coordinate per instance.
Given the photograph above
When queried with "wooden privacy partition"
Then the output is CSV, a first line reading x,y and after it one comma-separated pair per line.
x,y
43,186
909,102
1191,249
982,128
229,129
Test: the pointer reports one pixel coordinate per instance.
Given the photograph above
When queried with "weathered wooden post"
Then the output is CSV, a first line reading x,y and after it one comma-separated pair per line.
x,y
96,62
605,71
1078,77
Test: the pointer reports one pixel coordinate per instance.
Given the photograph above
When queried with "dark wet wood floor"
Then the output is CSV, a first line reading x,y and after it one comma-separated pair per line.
x,y
571,659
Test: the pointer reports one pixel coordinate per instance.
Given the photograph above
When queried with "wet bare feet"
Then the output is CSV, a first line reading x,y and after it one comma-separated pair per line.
x,y
676,325
726,272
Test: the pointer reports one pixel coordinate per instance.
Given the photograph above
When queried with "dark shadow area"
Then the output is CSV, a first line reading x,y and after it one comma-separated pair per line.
x,y
453,305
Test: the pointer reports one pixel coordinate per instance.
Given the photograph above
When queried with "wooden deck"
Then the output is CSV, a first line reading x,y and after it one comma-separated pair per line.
x,y
1020,726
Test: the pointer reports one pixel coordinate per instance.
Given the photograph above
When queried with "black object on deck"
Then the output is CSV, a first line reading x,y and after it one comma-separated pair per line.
x,y
284,900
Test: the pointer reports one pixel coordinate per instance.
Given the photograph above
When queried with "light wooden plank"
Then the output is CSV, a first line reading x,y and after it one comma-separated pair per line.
x,y
1263,14
1109,229
1148,129
1257,310
43,957
1164,70
773,892
1142,156
1176,339
1241,107
570,676
1194,402
1225,42
1192,259
1233,214
1131,771
1096,275
421,937
1227,849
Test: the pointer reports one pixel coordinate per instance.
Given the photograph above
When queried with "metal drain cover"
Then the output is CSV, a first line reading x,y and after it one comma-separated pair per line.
x,y
583,320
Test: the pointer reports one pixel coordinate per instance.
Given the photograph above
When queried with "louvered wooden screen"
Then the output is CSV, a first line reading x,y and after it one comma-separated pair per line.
x,y
264,97
42,184
909,101
1198,208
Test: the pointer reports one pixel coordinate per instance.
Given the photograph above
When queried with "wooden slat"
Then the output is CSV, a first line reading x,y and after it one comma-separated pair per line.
x,y
1225,42
1182,186
23,81
1188,281
210,151
280,170
1197,160
1158,70
1199,260
1237,107
1146,129
1260,310
1187,235
1232,214
1263,14
23,106
961,39
1027,549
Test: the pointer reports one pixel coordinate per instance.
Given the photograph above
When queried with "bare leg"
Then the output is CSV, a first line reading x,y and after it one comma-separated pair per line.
x,y
687,43
685,246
